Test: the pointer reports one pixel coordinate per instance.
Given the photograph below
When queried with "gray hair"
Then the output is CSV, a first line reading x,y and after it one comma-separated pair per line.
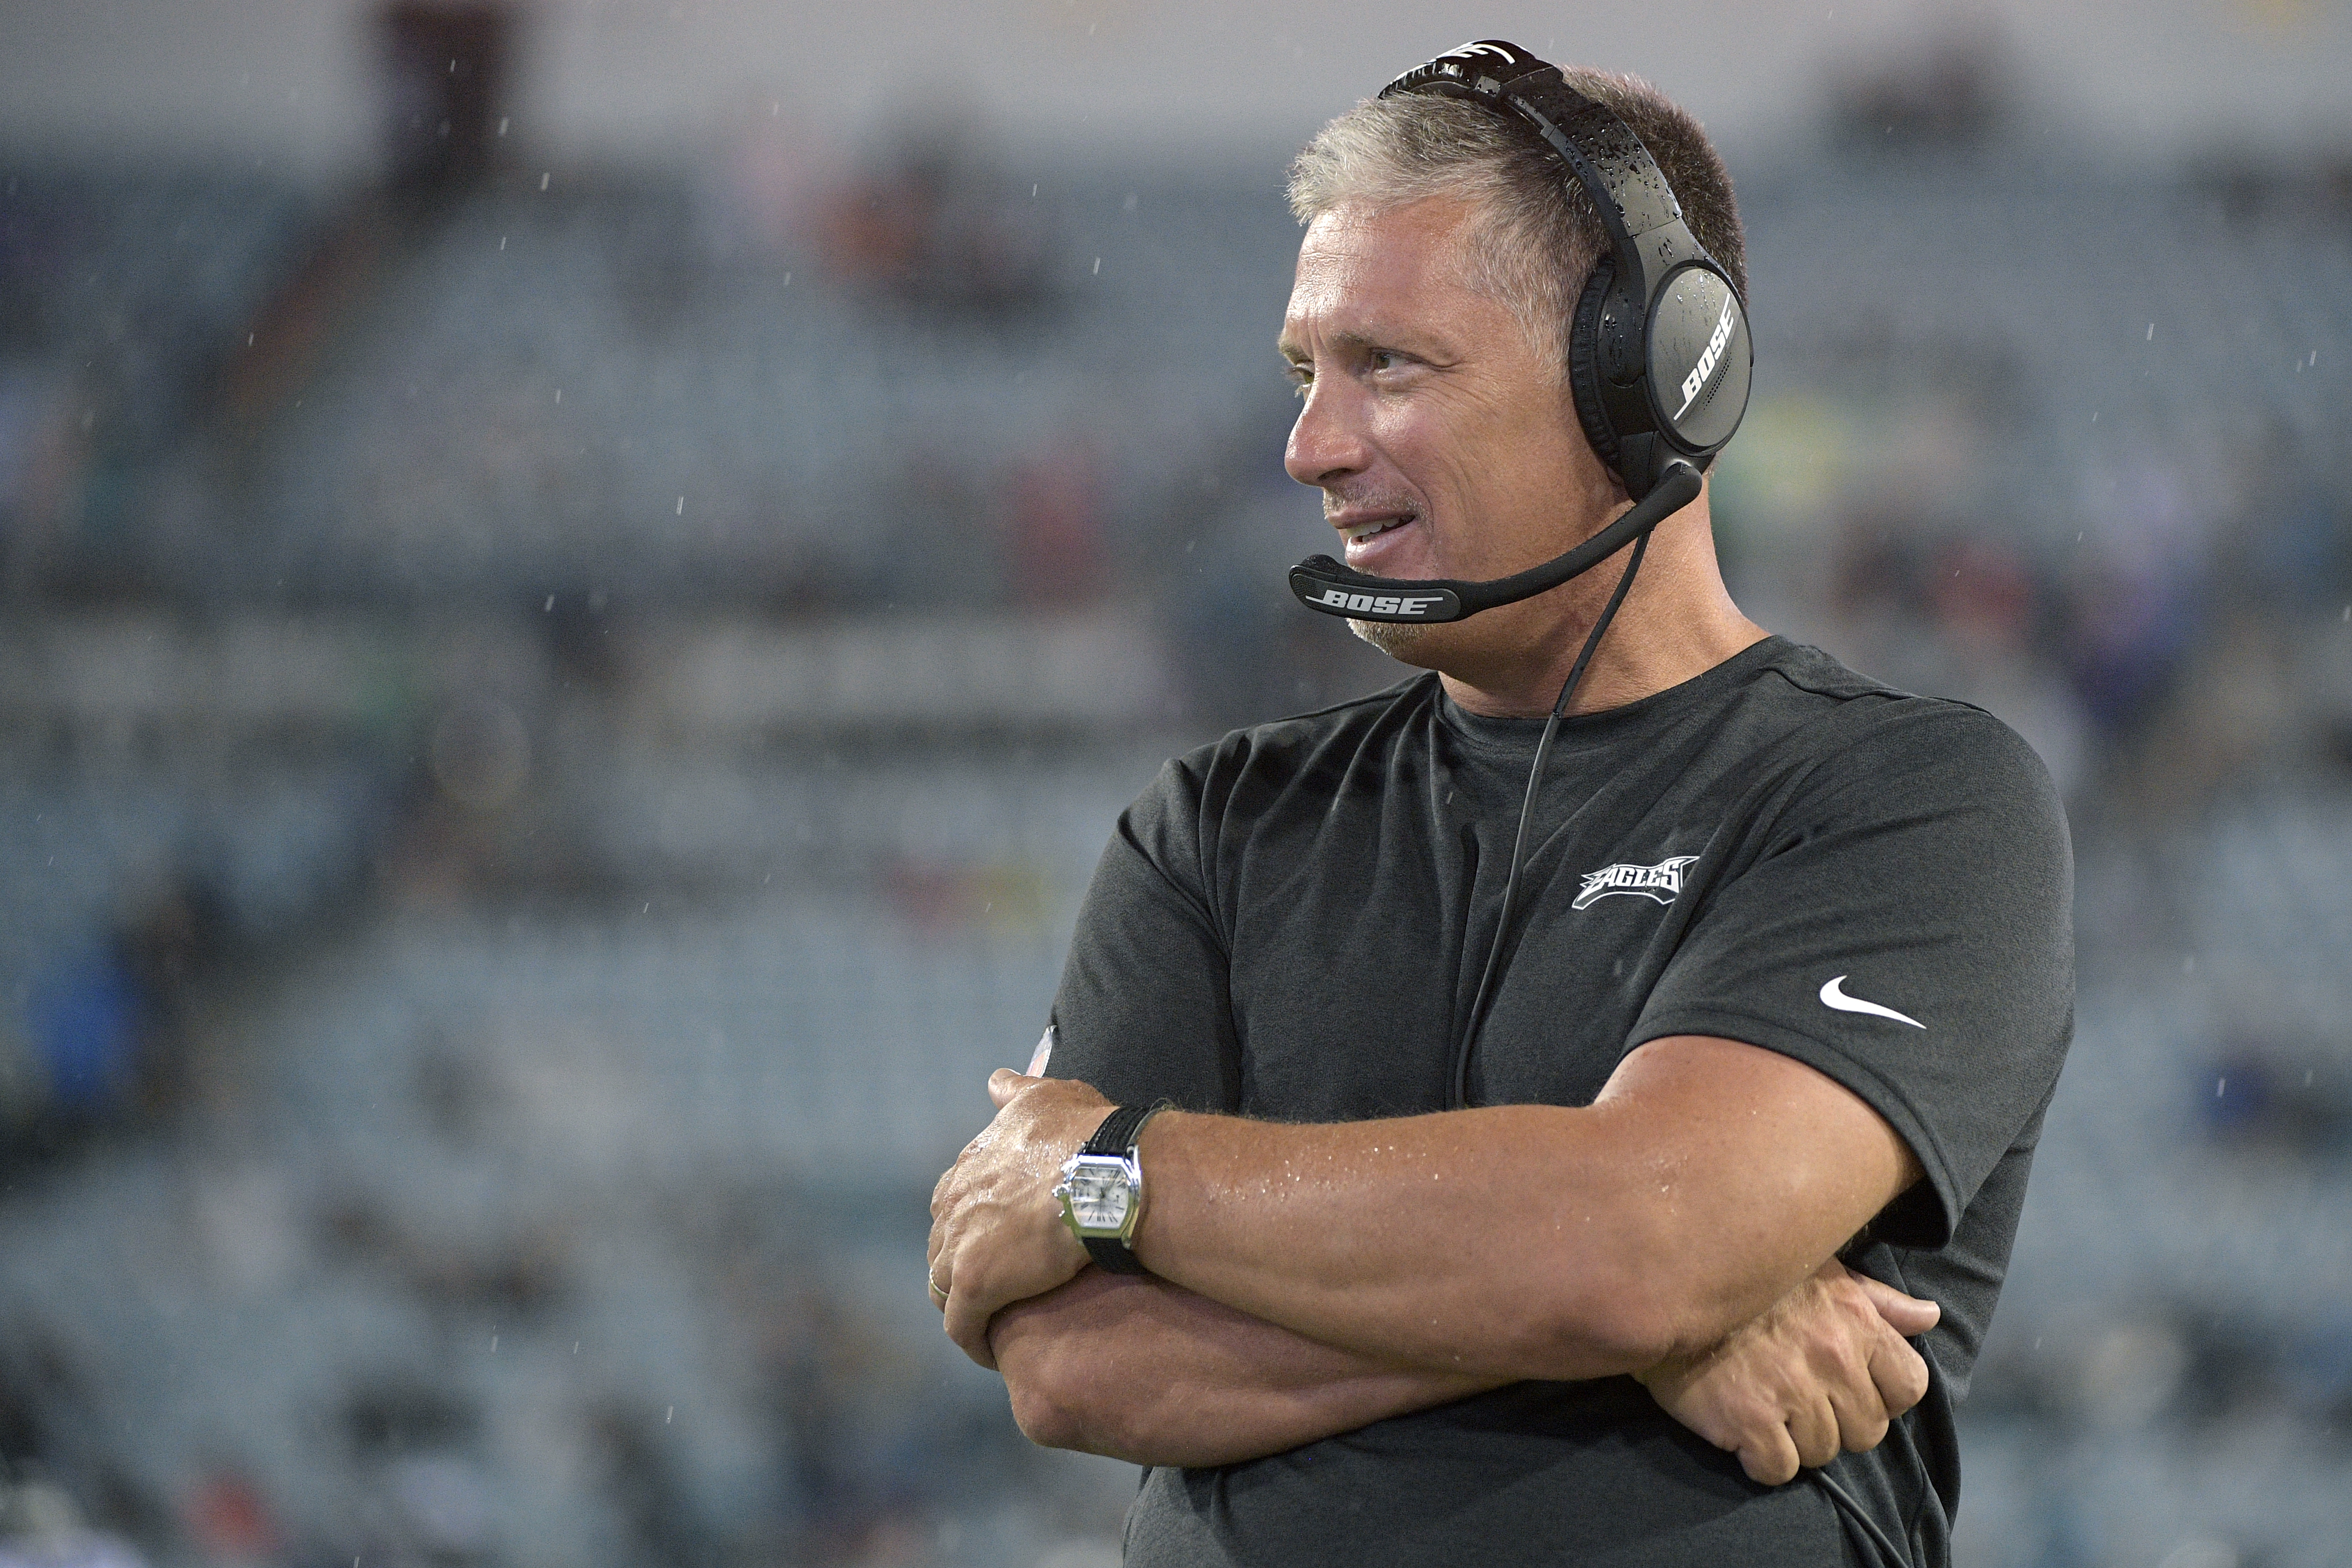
x,y
1537,233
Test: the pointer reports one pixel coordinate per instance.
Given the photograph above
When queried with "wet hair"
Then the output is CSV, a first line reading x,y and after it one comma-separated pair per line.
x,y
1536,235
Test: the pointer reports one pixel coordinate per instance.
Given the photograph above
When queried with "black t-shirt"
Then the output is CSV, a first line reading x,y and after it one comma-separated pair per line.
x,y
1290,924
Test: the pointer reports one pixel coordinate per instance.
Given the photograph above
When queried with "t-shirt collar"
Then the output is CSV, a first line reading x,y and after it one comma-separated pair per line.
x,y
1674,703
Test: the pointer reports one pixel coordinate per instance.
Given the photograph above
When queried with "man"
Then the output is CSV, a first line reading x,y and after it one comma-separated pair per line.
x,y
1453,1260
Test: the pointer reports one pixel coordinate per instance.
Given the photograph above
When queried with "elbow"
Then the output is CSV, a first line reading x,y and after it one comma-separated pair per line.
x,y
1044,1417
1058,1402
1070,1411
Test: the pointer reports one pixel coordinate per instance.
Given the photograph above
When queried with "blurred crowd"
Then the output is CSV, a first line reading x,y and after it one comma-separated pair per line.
x,y
555,721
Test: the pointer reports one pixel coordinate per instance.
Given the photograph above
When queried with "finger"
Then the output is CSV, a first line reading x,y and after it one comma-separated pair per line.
x,y
941,1224
1004,1083
1770,1458
1899,1373
967,1324
1860,1411
1814,1431
1909,1316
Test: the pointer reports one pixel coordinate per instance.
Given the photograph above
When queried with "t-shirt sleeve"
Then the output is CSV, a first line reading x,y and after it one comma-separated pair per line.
x,y
1906,928
1144,1011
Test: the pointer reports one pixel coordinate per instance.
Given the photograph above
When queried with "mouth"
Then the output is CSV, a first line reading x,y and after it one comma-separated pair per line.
x,y
1372,528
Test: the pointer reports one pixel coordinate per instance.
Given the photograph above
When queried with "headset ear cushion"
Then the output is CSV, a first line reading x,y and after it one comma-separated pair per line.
x,y
1584,363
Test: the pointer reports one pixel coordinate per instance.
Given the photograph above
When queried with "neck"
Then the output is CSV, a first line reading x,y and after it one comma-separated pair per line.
x,y
1677,621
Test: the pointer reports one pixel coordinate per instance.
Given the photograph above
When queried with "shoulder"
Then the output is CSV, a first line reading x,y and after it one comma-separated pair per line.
x,y
1285,751
1858,732
1868,758
1256,776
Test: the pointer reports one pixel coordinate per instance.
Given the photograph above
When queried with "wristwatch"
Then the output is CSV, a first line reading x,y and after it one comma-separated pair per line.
x,y
1101,1189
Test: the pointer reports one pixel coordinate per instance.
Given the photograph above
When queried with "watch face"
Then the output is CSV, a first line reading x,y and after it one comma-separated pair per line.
x,y
1099,1195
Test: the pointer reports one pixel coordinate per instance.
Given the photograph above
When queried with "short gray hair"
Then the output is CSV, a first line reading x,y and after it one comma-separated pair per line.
x,y
1537,233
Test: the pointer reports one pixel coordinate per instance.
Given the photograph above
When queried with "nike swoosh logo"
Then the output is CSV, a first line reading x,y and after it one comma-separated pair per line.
x,y
1833,995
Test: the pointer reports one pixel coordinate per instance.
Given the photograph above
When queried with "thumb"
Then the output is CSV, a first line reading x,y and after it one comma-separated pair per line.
x,y
1907,1315
1004,1083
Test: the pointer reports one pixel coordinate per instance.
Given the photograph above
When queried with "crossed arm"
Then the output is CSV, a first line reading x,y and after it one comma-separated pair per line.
x,y
1314,1279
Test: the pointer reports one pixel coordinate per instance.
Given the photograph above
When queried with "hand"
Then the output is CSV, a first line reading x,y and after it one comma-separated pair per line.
x,y
1825,1367
997,1235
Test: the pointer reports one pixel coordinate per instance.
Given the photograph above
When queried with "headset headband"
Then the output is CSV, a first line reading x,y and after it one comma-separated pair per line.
x,y
1627,188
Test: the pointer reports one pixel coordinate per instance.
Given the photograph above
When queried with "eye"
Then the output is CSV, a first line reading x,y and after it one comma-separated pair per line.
x,y
1302,380
1382,359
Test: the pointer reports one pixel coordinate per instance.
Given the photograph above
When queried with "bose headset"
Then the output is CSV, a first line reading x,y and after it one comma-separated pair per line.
x,y
1658,357
1659,363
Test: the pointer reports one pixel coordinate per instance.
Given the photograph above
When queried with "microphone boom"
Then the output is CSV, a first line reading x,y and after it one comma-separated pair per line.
x,y
1322,583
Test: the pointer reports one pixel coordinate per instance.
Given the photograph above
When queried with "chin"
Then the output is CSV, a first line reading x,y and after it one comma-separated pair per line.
x,y
1397,639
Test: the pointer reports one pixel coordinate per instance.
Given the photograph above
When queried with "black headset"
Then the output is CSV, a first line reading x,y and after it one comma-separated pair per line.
x,y
1658,359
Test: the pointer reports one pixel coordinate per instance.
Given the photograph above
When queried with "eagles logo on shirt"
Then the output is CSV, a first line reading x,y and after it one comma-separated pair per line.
x,y
1661,881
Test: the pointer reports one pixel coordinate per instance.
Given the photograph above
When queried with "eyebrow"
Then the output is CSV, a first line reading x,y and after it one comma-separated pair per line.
x,y
1359,340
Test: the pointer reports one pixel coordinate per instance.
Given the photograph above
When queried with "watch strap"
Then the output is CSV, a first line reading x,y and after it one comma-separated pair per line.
x,y
1113,1256
1118,1130
1116,1135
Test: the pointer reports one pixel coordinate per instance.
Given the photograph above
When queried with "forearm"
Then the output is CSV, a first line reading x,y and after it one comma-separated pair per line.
x,y
1144,1371
1382,1237
1516,1241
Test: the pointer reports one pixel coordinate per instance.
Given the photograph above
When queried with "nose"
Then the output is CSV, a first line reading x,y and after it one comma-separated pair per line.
x,y
1327,443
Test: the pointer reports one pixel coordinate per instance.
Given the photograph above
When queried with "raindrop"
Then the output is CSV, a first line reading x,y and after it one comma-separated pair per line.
x,y
2189,965
788,280
2219,1085
575,1347
549,608
648,909
681,506
1032,191
248,340
1097,266
559,394
494,1344
2094,416
776,109
503,122
1130,202
667,1414
545,177
502,241
2151,332
2306,1077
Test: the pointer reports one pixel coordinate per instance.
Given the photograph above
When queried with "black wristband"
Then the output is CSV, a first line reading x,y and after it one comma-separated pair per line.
x,y
1116,1135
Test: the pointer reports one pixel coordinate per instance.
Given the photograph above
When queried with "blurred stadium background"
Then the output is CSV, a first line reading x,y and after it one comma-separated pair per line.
x,y
581,583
